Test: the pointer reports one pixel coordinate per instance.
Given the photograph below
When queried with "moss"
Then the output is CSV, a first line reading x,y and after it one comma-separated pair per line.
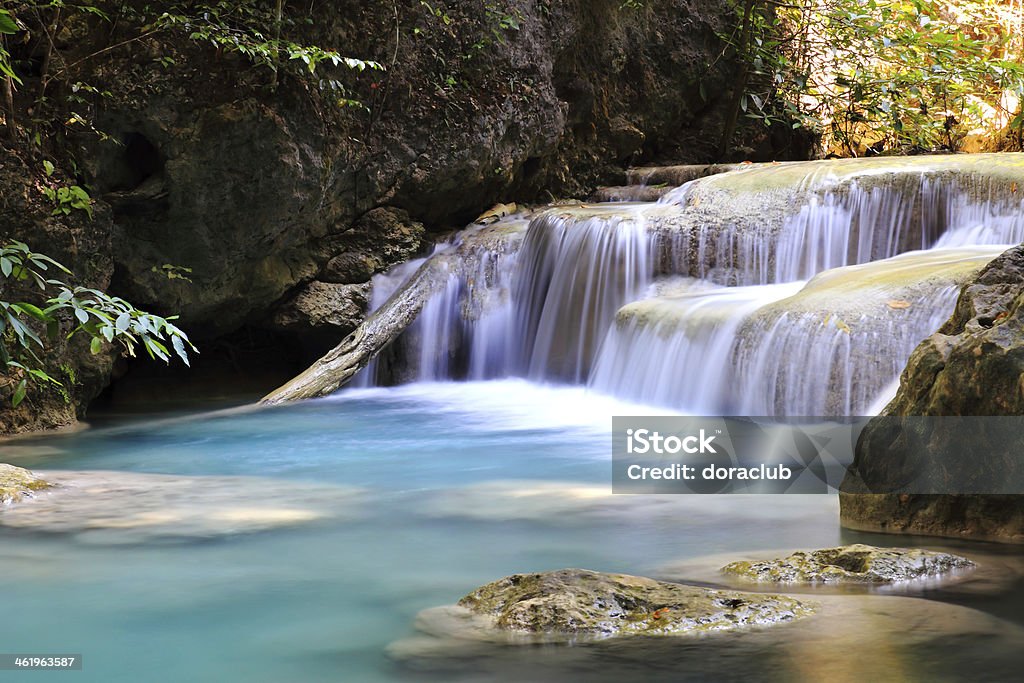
x,y
850,564
581,602
17,483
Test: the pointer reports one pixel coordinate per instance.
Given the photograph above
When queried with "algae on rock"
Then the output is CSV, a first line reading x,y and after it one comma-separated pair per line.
x,y
582,602
855,563
17,483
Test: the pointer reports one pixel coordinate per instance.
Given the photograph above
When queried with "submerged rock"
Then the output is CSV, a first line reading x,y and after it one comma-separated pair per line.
x,y
582,602
130,507
850,564
17,483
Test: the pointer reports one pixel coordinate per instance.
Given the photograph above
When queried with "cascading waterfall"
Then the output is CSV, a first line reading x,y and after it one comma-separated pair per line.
x,y
840,224
738,294
574,275
466,330
690,326
827,347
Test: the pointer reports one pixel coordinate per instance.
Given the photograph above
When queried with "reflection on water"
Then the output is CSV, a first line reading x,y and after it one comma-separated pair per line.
x,y
300,543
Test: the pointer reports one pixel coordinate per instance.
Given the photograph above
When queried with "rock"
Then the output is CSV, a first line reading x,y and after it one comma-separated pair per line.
x,y
349,268
321,306
675,176
850,564
322,313
850,638
971,366
630,193
130,507
581,602
17,484
389,234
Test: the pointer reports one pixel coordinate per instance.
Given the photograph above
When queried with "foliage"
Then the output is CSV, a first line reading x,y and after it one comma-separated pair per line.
x,y
259,30
97,315
254,30
173,272
904,75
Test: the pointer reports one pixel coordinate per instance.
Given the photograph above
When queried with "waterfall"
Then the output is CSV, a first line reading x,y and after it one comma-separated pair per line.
x,y
465,331
677,350
789,289
574,275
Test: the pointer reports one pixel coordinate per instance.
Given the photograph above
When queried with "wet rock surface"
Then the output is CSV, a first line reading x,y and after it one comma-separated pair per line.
x,y
581,602
124,507
971,367
850,564
16,484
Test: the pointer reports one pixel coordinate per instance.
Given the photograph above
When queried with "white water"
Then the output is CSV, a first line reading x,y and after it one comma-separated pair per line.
x,y
574,276
561,309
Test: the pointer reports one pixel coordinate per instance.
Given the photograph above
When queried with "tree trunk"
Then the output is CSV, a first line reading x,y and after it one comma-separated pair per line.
x,y
382,327
732,116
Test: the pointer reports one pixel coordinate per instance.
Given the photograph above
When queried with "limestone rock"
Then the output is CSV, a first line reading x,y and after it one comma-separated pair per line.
x,y
972,366
582,602
349,268
850,564
17,483
321,314
131,507
322,305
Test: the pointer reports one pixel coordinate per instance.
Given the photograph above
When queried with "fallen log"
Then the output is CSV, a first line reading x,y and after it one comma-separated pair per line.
x,y
383,326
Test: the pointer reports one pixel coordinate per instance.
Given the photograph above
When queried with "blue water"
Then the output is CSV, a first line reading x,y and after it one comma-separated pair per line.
x,y
440,488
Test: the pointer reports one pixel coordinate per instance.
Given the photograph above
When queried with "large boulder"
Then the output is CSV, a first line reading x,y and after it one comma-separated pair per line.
x,y
582,602
973,366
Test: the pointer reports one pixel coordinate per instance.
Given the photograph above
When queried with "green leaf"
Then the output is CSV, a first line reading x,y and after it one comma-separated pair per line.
x,y
8,25
96,345
33,311
19,393
179,348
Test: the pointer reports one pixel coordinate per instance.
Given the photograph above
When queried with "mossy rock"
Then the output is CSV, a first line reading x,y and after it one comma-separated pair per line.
x,y
17,483
581,602
850,564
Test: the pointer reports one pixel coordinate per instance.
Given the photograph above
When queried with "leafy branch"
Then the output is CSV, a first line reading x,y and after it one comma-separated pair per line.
x,y
97,315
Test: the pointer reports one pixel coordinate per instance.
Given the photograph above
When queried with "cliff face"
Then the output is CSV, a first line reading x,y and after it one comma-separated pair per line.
x,y
275,196
974,365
